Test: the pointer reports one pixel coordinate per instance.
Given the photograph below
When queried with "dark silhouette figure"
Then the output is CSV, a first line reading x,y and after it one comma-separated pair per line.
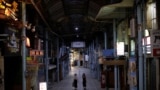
x,y
84,81
75,81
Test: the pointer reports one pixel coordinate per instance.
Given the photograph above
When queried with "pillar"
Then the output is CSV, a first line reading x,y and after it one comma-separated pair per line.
x,y
105,40
23,50
57,59
140,58
116,74
46,55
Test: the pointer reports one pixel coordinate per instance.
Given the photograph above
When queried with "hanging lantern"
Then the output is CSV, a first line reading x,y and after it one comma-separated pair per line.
x,y
8,10
2,15
27,42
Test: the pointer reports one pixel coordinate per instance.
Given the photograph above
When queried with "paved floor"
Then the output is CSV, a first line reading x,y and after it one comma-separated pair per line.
x,y
66,84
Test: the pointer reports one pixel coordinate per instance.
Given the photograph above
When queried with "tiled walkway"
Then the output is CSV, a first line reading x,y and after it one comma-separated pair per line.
x,y
66,84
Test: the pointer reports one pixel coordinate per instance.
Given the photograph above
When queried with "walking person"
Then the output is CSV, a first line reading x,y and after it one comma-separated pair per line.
x,y
84,81
75,81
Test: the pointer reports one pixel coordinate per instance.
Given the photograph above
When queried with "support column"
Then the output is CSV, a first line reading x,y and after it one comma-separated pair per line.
x,y
96,56
157,60
157,74
140,57
158,13
145,48
116,74
23,50
105,40
58,59
46,55
92,50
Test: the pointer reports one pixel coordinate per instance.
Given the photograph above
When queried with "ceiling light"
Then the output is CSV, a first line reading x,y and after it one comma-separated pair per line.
x,y
77,36
76,28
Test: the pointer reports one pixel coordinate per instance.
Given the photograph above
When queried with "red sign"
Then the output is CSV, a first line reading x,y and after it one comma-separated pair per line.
x,y
155,43
156,52
36,52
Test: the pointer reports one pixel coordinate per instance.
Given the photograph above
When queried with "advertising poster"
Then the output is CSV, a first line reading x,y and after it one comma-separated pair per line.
x,y
132,73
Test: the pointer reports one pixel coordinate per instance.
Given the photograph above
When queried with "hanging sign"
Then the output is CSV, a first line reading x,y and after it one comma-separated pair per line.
x,y
120,48
42,86
36,52
155,43
78,44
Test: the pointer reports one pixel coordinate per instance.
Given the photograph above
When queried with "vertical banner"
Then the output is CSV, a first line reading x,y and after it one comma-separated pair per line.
x,y
132,28
132,73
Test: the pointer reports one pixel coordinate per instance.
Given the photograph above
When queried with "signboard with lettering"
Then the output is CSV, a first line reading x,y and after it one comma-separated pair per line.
x,y
78,44
108,53
155,43
36,52
42,86
120,48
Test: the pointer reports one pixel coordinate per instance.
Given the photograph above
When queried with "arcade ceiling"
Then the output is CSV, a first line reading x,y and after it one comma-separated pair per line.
x,y
74,20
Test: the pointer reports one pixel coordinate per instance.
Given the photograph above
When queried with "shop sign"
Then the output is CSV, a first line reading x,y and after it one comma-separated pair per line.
x,y
42,86
120,48
36,52
155,43
146,43
78,44
108,53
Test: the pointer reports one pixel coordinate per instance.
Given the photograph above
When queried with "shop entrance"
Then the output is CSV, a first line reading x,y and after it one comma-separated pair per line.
x,y
13,72
151,74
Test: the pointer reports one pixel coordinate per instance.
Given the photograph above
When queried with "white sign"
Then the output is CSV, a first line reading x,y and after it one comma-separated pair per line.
x,y
155,42
78,44
42,86
86,57
120,48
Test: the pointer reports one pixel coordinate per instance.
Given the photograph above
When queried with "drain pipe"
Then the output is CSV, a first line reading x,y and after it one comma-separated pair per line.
x,y
41,15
